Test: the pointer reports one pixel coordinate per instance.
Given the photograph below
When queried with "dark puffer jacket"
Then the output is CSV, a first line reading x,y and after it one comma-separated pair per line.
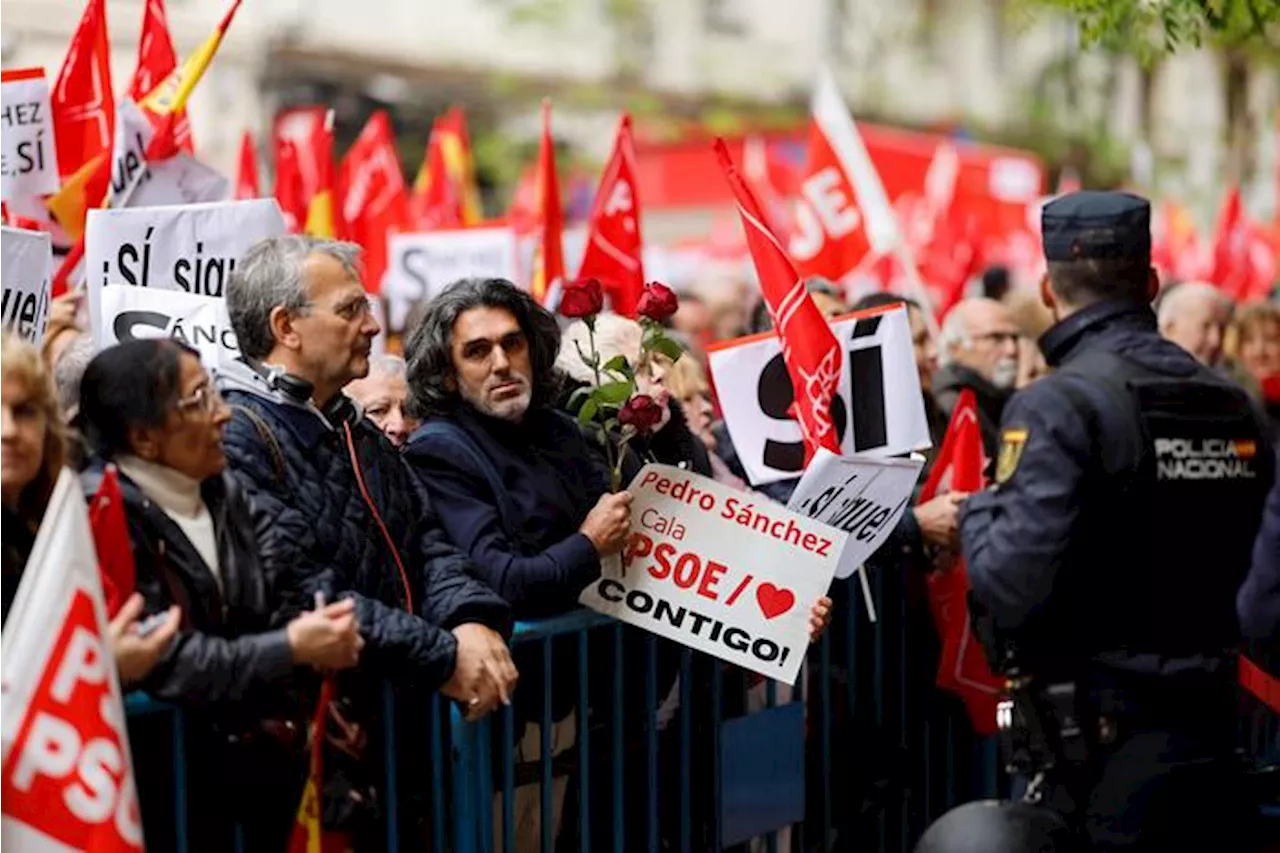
x,y
226,652
317,531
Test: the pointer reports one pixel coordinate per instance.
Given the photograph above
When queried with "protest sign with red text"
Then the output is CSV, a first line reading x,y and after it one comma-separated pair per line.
x,y
720,570
68,782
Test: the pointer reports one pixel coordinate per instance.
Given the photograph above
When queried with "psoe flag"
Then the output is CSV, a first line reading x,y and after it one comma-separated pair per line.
x,y
68,781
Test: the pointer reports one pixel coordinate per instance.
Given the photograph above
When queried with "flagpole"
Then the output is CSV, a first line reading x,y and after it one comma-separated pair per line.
x,y
916,285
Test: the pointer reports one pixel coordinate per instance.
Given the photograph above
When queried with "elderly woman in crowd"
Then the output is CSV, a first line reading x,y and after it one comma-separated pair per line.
x,y
1253,350
149,408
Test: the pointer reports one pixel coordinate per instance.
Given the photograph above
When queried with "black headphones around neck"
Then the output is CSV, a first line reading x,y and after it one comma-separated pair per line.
x,y
338,411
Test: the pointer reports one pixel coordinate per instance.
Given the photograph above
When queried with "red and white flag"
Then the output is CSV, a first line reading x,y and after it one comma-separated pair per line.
x,y
111,539
84,107
247,185
809,348
156,61
373,195
962,667
68,778
614,249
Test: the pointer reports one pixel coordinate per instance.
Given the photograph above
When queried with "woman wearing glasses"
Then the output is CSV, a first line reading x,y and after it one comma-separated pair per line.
x,y
149,408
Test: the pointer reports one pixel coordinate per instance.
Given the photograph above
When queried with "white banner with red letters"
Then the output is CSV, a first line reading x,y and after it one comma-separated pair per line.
x,y
878,411
68,780
28,148
720,571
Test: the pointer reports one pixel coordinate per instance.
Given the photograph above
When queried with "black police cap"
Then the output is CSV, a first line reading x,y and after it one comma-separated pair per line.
x,y
1096,225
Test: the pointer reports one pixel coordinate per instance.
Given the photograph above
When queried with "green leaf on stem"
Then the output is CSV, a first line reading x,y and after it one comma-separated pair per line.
x,y
667,347
588,412
613,392
618,364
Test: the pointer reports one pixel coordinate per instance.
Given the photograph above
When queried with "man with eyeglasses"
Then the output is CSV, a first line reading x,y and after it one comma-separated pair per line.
x,y
339,512
978,349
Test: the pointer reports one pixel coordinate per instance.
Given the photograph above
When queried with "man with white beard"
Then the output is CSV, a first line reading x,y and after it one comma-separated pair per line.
x,y
978,349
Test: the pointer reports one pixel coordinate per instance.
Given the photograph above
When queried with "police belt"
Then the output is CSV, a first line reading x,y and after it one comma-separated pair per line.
x,y
1050,725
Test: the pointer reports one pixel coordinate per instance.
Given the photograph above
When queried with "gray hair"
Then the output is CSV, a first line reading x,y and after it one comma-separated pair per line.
x,y
1173,299
954,333
69,370
270,276
387,365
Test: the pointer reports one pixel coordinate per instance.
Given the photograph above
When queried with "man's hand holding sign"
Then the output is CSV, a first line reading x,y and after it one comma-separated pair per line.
x,y
721,572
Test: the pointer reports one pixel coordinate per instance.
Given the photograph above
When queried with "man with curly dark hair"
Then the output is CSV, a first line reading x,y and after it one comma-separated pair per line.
x,y
517,486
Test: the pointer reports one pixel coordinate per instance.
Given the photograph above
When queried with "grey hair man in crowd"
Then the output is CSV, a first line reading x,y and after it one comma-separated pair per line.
x,y
340,512
978,349
1194,315
383,395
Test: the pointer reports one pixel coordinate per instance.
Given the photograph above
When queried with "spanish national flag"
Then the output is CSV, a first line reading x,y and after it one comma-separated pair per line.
x,y
309,835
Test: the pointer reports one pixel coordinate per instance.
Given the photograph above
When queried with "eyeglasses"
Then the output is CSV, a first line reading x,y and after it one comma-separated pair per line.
x,y
998,338
206,399
355,309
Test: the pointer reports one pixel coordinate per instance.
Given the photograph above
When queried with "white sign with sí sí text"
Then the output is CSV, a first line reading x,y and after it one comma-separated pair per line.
x,y
720,571
28,149
863,497
26,258
191,248
878,410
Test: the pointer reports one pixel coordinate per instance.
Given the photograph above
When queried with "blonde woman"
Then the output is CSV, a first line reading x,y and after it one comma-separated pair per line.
x,y
32,451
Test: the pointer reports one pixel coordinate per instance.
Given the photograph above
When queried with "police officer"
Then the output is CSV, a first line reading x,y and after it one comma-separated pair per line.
x,y
1106,558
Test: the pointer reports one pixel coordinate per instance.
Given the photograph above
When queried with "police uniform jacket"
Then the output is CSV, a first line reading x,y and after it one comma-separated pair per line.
x,y
1071,557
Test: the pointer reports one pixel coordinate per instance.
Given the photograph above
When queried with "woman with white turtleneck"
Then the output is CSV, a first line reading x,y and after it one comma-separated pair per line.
x,y
149,408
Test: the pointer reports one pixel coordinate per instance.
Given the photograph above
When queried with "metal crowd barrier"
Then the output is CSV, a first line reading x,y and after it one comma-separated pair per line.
x,y
863,754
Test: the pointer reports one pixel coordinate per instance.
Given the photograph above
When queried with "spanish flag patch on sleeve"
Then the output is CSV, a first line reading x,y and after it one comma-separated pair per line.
x,y
1012,441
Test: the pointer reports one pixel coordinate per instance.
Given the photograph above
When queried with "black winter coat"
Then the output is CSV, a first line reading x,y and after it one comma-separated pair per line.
x,y
226,652
317,531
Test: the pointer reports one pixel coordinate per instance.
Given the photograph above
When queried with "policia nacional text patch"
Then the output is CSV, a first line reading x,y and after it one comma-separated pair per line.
x,y
1012,441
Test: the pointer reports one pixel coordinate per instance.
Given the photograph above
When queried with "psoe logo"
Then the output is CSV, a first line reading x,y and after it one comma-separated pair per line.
x,y
1205,458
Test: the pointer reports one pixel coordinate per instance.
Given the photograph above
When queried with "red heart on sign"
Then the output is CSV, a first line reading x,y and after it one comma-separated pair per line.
x,y
774,601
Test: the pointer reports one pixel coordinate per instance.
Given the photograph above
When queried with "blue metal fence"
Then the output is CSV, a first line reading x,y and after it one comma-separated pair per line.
x,y
673,750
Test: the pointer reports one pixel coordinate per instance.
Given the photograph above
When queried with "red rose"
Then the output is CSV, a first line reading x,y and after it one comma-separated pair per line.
x,y
658,302
641,412
582,298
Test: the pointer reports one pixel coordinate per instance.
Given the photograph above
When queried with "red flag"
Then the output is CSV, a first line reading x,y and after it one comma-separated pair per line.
x,y
809,349
613,251
963,667
84,108
111,539
436,202
373,194
68,777
288,190
247,185
548,254
156,60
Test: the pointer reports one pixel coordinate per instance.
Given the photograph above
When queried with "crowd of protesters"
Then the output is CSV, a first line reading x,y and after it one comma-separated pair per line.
x,y
316,508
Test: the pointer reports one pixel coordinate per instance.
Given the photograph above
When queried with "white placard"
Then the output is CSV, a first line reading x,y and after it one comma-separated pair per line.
x,y
26,258
180,179
862,496
879,409
712,568
28,148
190,248
201,322
422,264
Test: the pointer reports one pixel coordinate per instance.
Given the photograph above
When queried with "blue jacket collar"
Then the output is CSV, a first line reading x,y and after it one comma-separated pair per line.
x,y
1066,336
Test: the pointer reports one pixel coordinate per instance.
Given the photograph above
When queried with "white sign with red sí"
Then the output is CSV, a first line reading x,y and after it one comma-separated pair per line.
x,y
720,570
